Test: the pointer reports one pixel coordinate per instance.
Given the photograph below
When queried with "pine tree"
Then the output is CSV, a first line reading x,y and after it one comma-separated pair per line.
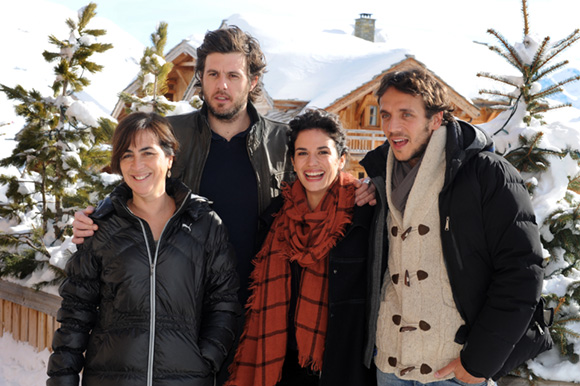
x,y
533,61
153,81
60,154
560,230
152,77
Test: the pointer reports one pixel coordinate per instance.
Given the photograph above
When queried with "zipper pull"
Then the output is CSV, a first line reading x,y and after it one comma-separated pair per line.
x,y
540,329
447,224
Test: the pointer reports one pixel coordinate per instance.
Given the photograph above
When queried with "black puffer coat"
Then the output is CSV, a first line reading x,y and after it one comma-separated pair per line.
x,y
491,247
147,314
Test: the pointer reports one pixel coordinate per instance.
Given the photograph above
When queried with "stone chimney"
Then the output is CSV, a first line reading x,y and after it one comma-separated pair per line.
x,y
364,27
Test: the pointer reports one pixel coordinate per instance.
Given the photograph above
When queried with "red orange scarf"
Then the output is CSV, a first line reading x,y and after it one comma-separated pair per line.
x,y
307,237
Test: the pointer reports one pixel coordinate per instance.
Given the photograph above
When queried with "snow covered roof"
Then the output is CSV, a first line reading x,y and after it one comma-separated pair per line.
x,y
317,68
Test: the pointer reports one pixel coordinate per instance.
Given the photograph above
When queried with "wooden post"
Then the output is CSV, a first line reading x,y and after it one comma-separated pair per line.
x,y
7,316
33,327
41,330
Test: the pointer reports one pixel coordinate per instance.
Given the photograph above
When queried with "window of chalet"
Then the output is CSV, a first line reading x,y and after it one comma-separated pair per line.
x,y
373,116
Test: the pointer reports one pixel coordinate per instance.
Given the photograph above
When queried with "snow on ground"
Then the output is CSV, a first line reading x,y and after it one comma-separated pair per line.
x,y
20,364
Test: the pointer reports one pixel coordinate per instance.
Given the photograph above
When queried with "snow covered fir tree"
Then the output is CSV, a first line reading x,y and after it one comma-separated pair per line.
x,y
152,78
548,161
152,82
60,154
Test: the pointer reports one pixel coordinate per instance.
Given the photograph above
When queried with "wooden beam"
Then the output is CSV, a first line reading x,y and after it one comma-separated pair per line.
x,y
37,300
180,75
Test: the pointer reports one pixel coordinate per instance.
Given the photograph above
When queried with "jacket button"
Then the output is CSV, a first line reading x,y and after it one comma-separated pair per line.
x,y
395,278
407,370
422,275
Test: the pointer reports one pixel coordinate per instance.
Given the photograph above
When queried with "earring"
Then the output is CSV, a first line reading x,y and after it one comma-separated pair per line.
x,y
169,174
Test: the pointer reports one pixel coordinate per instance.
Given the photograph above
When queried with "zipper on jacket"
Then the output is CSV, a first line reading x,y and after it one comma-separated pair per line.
x,y
255,168
454,242
153,289
150,355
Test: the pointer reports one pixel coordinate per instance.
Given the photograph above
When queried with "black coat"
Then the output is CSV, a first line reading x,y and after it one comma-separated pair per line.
x,y
137,313
491,246
346,335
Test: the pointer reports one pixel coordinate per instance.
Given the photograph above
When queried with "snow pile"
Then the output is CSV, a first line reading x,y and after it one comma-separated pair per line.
x,y
20,364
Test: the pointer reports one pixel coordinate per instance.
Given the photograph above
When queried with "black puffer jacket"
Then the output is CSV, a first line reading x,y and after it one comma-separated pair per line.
x,y
491,246
147,314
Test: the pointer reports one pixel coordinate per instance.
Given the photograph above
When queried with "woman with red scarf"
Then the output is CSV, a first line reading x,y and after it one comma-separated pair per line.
x,y
306,317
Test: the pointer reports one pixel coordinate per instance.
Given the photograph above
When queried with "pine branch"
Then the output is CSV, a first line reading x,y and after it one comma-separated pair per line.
x,y
16,93
501,79
528,157
568,40
95,32
159,38
51,56
515,58
557,87
539,75
72,25
561,47
562,105
497,93
87,14
100,47
526,18
537,62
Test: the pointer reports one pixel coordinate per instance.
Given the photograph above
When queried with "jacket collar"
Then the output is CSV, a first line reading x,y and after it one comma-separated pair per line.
x,y
256,127
116,202
464,141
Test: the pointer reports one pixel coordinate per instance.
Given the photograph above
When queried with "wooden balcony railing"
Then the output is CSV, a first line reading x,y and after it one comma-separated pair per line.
x,y
361,141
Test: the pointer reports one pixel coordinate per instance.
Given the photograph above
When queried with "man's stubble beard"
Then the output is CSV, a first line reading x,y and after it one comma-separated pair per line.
x,y
228,115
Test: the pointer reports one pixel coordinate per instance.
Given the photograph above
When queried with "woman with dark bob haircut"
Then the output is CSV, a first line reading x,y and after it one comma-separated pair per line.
x,y
306,322
151,298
